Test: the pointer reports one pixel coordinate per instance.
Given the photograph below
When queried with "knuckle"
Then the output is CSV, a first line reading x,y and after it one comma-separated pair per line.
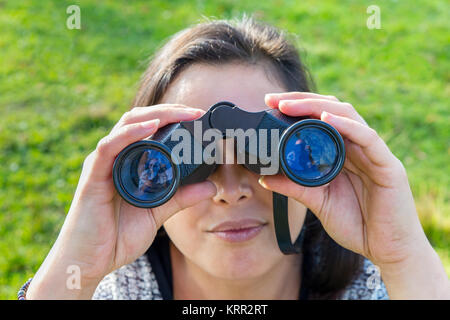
x,y
88,160
178,105
400,168
351,110
372,135
103,145
348,106
169,111
134,110
123,132
127,116
165,108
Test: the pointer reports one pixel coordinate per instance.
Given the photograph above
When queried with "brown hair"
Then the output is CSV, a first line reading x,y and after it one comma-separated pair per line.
x,y
328,267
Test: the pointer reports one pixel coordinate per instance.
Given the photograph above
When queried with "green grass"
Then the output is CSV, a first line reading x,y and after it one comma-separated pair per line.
x,y
62,90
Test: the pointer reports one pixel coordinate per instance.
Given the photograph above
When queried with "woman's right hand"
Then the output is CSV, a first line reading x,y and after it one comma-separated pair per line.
x,y
102,232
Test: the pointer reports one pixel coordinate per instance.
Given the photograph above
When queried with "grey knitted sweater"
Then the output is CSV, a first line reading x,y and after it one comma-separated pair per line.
x,y
137,281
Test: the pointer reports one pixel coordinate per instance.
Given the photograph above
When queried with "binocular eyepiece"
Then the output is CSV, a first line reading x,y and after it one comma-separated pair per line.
x,y
310,152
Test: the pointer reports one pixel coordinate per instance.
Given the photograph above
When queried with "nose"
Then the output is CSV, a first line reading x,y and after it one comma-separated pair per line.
x,y
233,185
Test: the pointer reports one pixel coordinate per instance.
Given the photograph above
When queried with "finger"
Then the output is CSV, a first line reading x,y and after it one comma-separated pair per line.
x,y
185,197
356,160
111,145
272,99
315,107
371,144
312,198
167,113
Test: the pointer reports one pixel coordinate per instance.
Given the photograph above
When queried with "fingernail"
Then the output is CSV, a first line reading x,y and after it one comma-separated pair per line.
x,y
152,124
197,112
262,182
283,103
270,98
324,115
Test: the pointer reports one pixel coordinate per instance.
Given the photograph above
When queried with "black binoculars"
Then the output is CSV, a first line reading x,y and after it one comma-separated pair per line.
x,y
310,152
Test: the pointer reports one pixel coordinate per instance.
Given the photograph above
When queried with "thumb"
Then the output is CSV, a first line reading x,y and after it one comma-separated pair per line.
x,y
311,197
185,197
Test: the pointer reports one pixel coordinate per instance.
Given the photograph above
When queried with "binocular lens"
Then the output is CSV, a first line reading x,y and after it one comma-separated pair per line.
x,y
312,155
146,175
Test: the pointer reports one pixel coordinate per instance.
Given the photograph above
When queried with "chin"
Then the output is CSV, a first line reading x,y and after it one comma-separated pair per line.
x,y
241,262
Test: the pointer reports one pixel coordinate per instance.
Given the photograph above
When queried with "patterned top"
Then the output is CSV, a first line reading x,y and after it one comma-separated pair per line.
x,y
137,281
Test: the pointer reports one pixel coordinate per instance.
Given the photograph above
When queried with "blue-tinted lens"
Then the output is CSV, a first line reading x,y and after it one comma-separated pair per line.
x,y
147,174
310,153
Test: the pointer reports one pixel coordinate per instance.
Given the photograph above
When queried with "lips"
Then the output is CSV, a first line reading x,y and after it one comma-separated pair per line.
x,y
238,230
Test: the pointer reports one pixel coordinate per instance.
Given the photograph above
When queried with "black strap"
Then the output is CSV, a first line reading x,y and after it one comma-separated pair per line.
x,y
159,257
281,221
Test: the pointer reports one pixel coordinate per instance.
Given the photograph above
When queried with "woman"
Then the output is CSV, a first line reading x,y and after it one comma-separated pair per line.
x,y
216,238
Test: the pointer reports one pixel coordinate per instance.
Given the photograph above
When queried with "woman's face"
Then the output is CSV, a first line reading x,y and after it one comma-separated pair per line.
x,y
203,233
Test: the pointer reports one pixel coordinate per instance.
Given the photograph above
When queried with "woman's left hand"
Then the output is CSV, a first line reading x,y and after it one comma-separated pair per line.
x,y
368,208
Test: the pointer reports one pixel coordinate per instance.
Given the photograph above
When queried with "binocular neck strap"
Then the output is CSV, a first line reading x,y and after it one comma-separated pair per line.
x,y
281,222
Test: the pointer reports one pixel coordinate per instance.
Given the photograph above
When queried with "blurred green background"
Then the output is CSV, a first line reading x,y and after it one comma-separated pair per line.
x,y
62,90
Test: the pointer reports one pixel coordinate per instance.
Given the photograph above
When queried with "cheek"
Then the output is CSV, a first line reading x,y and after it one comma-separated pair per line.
x,y
184,231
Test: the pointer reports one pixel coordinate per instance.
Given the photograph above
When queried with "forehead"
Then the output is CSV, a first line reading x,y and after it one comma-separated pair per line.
x,y
202,85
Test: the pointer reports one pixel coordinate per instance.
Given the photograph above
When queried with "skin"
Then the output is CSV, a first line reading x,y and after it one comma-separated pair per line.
x,y
368,208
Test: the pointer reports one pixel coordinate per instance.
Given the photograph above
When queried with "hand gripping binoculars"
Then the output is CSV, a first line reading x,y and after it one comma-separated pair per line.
x,y
308,151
